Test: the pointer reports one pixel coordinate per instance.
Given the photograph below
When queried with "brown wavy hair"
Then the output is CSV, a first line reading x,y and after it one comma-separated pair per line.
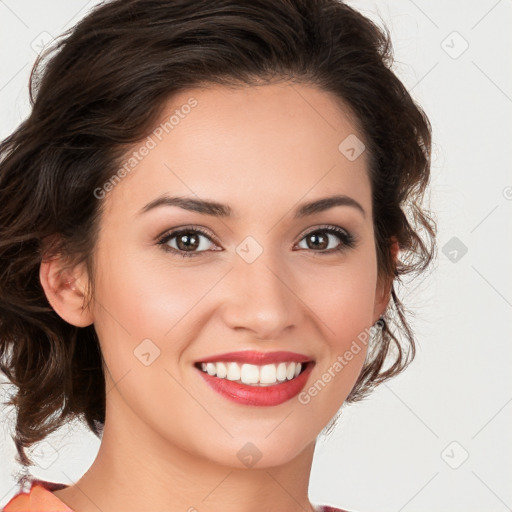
x,y
100,89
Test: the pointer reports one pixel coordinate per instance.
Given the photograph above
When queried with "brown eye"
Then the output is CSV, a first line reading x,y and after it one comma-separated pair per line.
x,y
319,240
186,242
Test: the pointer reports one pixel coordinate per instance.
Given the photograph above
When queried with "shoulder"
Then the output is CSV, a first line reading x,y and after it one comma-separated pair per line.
x,y
38,498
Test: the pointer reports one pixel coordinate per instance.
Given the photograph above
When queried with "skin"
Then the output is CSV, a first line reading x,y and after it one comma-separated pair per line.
x,y
169,439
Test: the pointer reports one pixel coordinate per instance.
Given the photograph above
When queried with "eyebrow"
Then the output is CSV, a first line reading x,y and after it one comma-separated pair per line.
x,y
216,209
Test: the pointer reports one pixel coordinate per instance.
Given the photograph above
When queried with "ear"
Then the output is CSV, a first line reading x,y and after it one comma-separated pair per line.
x,y
66,290
383,289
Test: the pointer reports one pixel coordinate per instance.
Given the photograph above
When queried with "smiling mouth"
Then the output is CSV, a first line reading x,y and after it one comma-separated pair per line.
x,y
254,375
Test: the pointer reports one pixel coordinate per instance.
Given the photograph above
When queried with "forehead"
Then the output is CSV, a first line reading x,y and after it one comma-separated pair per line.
x,y
253,147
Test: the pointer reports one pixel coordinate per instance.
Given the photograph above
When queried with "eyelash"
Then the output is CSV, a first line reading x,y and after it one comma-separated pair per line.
x,y
348,241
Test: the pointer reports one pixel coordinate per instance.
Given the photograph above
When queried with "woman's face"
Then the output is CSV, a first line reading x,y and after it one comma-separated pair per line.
x,y
260,279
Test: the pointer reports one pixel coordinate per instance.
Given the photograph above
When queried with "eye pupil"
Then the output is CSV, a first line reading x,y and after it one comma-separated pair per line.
x,y
183,241
316,236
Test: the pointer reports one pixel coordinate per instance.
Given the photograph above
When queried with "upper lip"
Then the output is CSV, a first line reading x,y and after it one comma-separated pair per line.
x,y
257,358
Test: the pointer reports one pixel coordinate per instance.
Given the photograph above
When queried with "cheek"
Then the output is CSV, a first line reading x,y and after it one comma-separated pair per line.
x,y
146,298
342,298
342,295
149,307
347,313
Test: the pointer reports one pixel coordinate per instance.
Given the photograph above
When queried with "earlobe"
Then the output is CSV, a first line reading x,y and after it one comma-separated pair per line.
x,y
65,290
383,291
382,298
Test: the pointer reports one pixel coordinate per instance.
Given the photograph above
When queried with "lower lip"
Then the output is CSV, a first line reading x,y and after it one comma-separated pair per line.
x,y
259,395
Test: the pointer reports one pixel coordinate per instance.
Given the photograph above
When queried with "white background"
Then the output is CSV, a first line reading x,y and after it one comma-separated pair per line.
x,y
404,448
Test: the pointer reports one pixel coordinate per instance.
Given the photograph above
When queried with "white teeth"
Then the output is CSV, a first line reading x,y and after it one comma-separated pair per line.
x,y
222,370
281,372
233,371
252,374
268,374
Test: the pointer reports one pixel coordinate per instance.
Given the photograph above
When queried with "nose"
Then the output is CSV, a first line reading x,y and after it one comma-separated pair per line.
x,y
259,297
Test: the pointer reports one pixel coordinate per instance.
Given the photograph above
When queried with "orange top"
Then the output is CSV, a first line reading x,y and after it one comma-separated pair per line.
x,y
38,499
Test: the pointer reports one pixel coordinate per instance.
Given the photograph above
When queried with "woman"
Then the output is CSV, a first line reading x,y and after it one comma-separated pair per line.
x,y
202,220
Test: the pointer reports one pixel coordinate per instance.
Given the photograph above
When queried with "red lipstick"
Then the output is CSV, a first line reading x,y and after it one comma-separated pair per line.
x,y
247,394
